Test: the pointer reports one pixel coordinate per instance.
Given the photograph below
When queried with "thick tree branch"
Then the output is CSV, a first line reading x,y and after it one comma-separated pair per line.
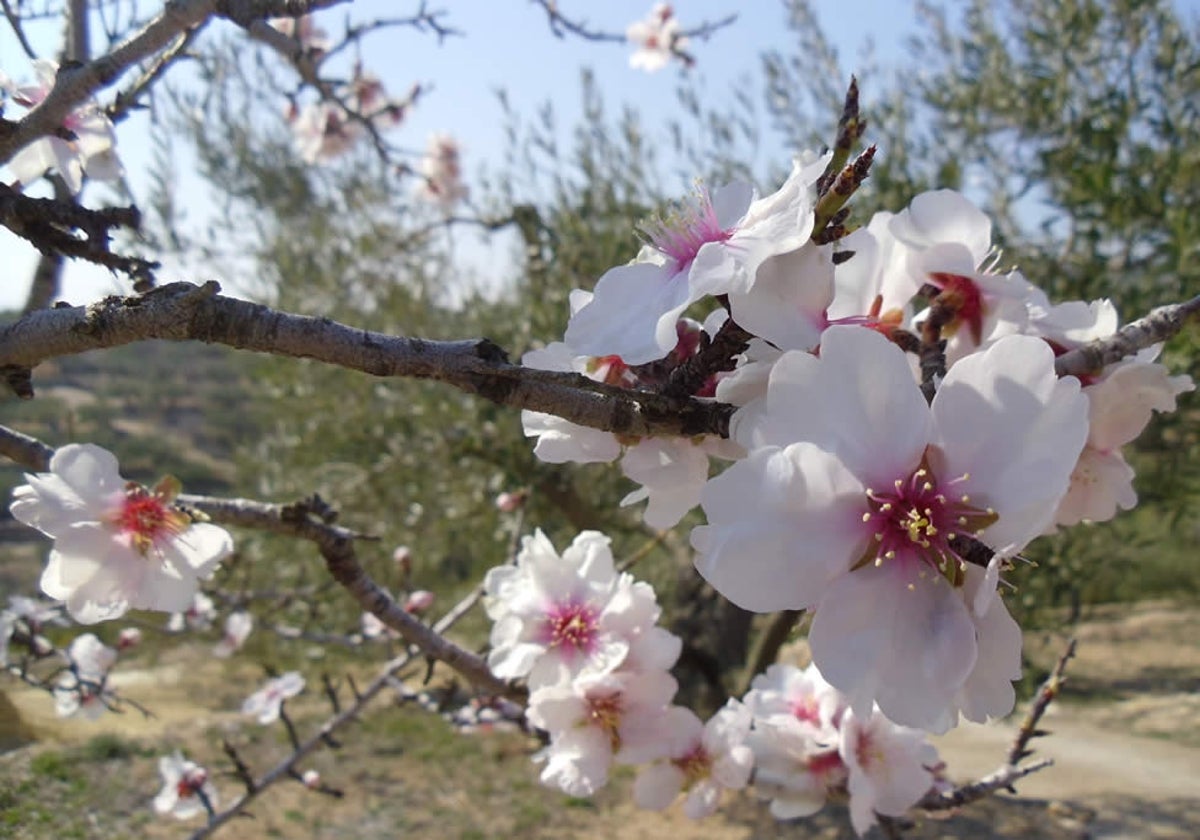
x,y
182,311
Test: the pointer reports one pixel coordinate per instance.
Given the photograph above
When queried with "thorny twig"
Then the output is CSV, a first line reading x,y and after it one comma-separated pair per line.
x,y
1006,775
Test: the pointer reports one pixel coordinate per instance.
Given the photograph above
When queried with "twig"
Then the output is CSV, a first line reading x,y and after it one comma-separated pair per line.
x,y
286,768
1000,779
1161,324
1046,693
14,22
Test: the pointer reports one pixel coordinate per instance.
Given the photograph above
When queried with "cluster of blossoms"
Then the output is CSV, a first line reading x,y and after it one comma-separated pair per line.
x,y
810,746
852,494
84,144
658,39
326,130
24,619
585,638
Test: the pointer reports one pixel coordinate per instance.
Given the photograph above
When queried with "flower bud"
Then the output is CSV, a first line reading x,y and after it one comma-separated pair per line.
x,y
510,502
418,601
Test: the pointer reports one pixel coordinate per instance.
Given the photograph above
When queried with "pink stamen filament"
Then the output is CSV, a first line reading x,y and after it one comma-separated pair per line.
x,y
917,519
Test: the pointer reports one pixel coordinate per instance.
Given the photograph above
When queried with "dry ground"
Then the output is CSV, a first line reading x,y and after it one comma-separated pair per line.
x,y
1126,740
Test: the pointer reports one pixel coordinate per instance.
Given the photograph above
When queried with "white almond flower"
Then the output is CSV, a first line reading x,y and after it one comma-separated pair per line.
x,y
117,545
596,718
80,690
87,148
199,616
656,38
702,760
889,767
267,702
186,789
324,131
557,616
712,244
441,171
238,625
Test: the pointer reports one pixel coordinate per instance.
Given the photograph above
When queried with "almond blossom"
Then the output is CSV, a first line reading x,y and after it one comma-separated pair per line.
x,y
1120,406
712,244
657,38
888,767
557,616
441,171
701,760
117,545
199,616
304,30
324,131
1121,400
238,625
85,147
80,690
948,246
267,702
595,719
186,790
859,499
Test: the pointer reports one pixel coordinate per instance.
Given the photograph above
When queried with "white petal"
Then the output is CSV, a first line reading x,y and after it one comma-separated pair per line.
x,y
1015,430
782,524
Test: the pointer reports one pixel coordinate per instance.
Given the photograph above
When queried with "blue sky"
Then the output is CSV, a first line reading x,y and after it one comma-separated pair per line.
x,y
507,44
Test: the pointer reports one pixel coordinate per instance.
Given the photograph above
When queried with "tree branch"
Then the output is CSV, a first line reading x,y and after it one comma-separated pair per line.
x,y
1161,324
182,311
76,83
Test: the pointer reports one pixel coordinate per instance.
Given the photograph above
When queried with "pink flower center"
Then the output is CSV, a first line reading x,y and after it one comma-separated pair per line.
x,y
696,764
921,520
190,783
572,627
605,713
805,710
827,766
683,232
963,297
148,518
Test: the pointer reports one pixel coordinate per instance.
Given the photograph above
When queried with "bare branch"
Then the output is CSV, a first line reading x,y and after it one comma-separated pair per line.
x,y
182,311
1158,326
385,679
14,22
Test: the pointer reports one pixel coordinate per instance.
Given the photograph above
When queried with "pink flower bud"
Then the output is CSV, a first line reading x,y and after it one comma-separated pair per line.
x,y
311,779
402,557
129,637
418,601
509,502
